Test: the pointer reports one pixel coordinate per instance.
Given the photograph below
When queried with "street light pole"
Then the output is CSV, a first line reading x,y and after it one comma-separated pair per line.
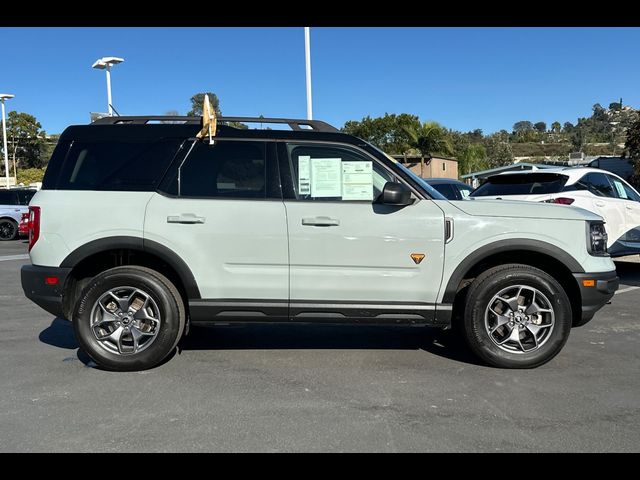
x,y
109,90
307,59
105,63
3,97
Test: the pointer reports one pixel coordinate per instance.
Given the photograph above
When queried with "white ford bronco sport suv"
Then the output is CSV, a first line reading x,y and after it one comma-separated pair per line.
x,y
142,229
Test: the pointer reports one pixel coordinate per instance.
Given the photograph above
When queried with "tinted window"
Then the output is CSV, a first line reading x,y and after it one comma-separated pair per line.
x,y
116,165
521,184
7,198
597,184
623,189
447,190
226,170
326,172
24,196
464,191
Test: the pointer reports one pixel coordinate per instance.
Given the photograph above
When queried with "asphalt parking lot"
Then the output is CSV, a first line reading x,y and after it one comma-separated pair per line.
x,y
317,388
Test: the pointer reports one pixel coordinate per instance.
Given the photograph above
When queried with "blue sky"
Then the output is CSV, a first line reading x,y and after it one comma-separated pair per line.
x,y
464,78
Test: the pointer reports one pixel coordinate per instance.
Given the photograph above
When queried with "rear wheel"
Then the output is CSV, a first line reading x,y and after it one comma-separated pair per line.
x,y
516,316
129,318
8,229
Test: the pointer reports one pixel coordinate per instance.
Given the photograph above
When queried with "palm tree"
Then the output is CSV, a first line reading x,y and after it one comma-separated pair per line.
x,y
429,139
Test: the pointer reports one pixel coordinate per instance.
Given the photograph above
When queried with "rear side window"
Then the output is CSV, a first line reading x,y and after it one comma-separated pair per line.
x,y
224,170
108,165
521,184
596,183
24,196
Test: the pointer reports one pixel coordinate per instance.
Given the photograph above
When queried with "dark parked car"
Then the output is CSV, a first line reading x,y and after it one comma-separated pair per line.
x,y
450,188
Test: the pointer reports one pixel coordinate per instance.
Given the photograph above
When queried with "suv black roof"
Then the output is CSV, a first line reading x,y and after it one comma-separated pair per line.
x,y
147,128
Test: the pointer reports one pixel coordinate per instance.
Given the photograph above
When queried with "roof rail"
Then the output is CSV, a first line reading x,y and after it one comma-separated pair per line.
x,y
313,125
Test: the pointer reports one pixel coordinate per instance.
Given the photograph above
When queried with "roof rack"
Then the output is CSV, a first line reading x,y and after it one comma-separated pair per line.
x,y
313,125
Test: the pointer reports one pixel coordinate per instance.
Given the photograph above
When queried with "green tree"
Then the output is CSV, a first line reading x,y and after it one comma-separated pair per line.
x,y
523,126
27,176
472,159
540,127
25,141
198,100
568,127
556,127
429,139
632,150
499,152
388,133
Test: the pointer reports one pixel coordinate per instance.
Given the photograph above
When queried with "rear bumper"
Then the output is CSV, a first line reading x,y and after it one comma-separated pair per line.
x,y
48,297
594,298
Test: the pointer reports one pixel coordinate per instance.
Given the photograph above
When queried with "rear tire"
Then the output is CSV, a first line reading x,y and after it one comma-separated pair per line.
x,y
516,316
129,318
8,230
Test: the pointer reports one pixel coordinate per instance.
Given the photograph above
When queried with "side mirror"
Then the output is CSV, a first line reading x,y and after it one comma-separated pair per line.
x,y
395,194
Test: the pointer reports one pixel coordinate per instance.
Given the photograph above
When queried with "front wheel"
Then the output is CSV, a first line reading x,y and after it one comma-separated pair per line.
x,y
129,318
8,229
516,316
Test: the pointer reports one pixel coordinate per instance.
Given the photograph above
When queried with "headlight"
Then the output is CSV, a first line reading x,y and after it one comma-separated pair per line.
x,y
597,238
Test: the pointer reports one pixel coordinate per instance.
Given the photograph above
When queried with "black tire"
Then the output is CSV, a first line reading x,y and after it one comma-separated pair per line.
x,y
8,230
167,299
481,292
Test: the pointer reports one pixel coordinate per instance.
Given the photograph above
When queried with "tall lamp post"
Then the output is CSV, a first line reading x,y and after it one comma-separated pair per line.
x,y
307,61
105,63
3,97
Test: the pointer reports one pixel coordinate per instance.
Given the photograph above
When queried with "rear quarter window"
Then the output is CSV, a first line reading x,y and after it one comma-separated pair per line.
x,y
111,165
521,184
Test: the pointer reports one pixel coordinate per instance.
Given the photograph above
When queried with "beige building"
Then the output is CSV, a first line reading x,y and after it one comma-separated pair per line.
x,y
434,167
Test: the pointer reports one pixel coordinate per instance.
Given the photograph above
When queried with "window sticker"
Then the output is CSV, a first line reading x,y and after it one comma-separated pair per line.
x,y
326,177
357,181
304,175
620,189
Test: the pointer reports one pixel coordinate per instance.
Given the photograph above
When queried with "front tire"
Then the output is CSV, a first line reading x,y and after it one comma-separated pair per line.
x,y
8,230
516,316
129,318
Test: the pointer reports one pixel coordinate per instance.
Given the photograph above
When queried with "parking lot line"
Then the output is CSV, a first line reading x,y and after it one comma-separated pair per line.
x,y
628,289
7,258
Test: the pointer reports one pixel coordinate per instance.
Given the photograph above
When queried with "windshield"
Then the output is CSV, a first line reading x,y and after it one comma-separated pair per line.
x,y
521,184
432,192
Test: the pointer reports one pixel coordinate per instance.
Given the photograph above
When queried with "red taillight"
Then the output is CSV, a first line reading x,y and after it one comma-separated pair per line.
x,y
561,201
51,280
34,226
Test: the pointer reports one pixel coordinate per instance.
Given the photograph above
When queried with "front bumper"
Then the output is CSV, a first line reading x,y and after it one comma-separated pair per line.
x,y
48,297
595,297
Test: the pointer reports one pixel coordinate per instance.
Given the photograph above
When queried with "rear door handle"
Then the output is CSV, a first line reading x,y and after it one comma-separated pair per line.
x,y
185,218
629,207
321,221
599,204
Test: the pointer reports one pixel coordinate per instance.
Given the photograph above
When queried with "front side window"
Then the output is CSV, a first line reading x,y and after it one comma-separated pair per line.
x,y
333,173
224,170
623,189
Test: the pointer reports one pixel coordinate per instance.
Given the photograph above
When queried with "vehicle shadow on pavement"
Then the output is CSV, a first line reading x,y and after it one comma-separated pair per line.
x,y
331,337
294,337
629,273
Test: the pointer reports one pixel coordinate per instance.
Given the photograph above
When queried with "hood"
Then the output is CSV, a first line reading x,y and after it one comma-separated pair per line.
x,y
522,209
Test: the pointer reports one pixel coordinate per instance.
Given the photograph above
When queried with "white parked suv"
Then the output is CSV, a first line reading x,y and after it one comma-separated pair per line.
x,y
601,192
306,225
13,203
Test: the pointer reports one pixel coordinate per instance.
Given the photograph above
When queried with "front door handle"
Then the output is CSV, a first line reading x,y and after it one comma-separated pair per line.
x,y
321,221
185,218
629,207
599,204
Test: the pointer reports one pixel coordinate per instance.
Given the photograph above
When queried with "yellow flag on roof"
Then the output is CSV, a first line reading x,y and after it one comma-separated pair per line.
x,y
209,121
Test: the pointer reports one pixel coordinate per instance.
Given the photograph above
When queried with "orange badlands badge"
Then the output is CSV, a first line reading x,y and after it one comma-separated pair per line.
x,y
417,257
